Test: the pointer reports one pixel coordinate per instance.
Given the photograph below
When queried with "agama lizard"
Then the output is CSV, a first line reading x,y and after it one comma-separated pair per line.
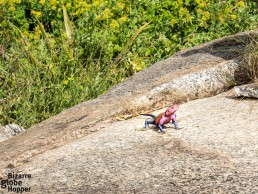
x,y
163,118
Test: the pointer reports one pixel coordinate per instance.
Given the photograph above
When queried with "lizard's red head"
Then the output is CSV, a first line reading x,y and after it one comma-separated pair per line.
x,y
171,110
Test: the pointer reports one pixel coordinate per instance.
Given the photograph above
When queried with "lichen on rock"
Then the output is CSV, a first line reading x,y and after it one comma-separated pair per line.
x,y
248,90
9,131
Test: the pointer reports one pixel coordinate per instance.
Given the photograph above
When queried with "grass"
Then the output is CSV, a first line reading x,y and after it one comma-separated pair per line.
x,y
250,59
55,55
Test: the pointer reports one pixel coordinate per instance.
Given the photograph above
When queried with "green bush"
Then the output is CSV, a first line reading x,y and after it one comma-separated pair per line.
x,y
54,55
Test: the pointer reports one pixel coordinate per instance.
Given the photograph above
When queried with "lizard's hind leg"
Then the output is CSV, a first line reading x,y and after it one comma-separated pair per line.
x,y
147,122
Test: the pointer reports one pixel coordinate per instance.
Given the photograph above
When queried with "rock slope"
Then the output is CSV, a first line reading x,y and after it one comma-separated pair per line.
x,y
78,151
215,152
246,91
8,131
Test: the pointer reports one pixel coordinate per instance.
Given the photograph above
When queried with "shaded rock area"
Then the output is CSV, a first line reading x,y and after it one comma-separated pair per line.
x,y
246,91
199,72
9,131
215,152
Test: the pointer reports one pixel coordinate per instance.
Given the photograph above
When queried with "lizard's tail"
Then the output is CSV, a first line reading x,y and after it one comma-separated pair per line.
x,y
151,115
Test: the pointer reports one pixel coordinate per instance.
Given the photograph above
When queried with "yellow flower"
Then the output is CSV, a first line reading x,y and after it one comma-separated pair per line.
x,y
70,78
137,64
173,21
107,13
53,2
241,4
120,5
206,16
233,17
68,5
183,11
37,33
37,30
26,33
180,2
96,3
65,82
114,24
64,35
42,2
202,5
123,18
206,13
12,8
189,18
199,11
88,6
35,13
98,17
226,11
53,7
51,66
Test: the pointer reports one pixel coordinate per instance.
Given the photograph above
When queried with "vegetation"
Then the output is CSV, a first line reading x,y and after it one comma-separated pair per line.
x,y
55,54
250,59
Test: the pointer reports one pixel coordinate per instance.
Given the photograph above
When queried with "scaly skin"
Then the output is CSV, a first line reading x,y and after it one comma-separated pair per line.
x,y
163,118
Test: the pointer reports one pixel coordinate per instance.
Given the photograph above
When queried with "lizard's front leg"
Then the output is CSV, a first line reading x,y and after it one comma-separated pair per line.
x,y
176,125
160,128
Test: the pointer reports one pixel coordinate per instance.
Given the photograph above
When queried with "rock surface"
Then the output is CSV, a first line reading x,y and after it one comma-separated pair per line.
x,y
197,72
84,150
215,152
9,131
248,90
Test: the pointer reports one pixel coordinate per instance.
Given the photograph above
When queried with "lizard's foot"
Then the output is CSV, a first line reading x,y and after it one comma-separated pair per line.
x,y
147,124
178,128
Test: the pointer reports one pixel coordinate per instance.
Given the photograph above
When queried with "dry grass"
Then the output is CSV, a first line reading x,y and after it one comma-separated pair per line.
x,y
250,59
